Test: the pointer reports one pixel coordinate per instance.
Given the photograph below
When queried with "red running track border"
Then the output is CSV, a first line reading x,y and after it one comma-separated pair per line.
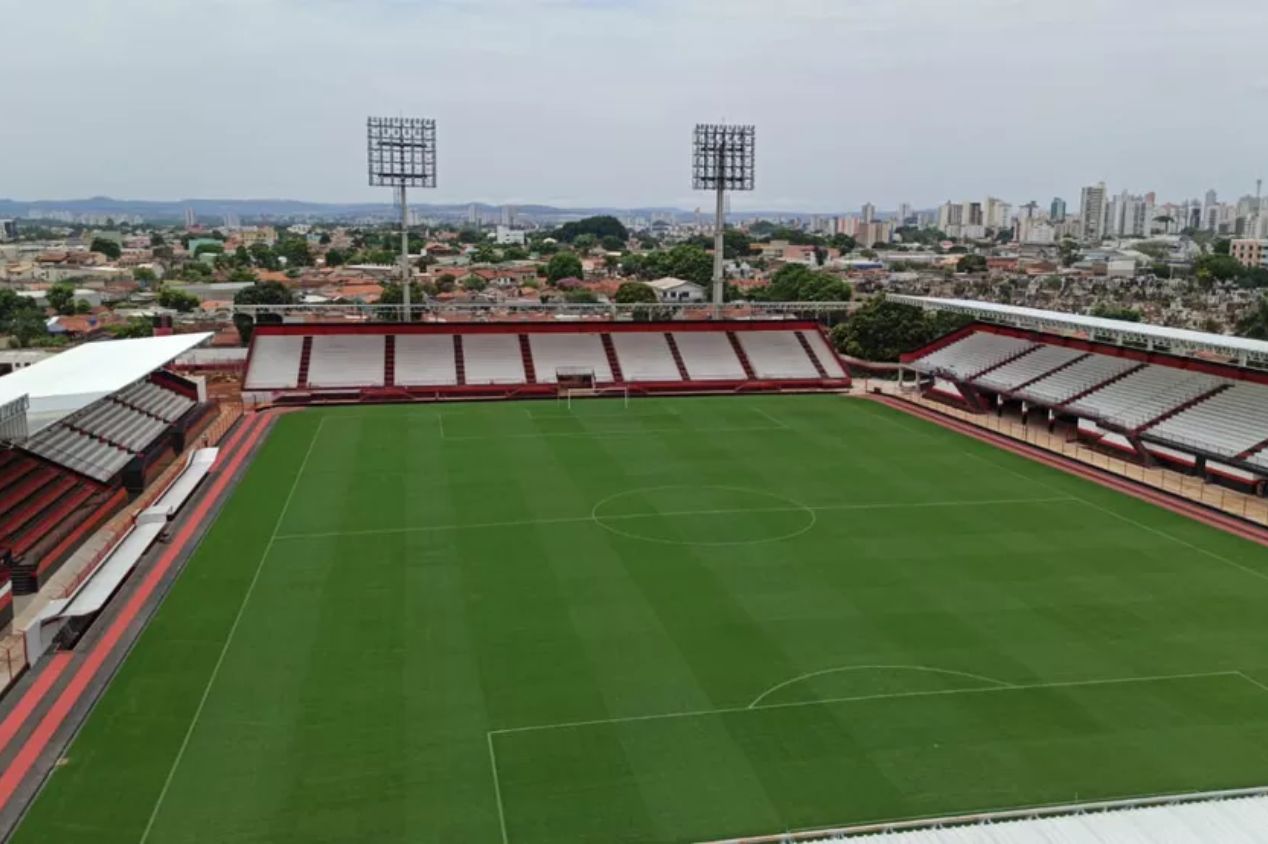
x,y
1180,506
31,698
88,668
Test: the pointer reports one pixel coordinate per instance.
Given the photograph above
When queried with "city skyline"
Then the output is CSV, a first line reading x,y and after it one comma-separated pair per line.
x,y
573,103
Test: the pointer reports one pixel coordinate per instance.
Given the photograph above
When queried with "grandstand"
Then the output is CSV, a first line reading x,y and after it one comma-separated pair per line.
x,y
82,431
1139,389
312,363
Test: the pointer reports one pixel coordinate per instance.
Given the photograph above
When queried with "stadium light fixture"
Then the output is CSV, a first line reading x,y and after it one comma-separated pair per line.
x,y
722,160
401,153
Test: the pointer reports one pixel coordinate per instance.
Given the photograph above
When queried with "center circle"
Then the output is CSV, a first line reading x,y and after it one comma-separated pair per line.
x,y
702,514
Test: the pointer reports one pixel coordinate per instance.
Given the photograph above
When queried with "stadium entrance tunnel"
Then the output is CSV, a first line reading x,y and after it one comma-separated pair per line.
x,y
703,515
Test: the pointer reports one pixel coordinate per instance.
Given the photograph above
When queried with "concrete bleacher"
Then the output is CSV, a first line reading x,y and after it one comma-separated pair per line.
x,y
1228,423
78,451
346,360
1142,396
708,356
645,356
559,351
156,400
35,499
969,356
492,359
1078,377
1028,367
776,354
274,362
823,352
424,360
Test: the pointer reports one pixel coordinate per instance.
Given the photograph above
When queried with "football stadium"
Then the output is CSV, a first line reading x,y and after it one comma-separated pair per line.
x,y
660,577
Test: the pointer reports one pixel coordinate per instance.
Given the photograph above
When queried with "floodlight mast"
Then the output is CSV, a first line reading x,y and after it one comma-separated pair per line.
x,y
723,158
401,151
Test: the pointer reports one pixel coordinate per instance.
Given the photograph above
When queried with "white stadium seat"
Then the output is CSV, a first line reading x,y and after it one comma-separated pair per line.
x,y
424,360
776,354
347,360
552,352
492,359
827,358
274,362
645,356
1028,367
708,356
970,356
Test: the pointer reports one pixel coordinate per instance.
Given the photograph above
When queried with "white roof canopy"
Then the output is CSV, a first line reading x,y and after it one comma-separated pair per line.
x,y
77,377
1180,341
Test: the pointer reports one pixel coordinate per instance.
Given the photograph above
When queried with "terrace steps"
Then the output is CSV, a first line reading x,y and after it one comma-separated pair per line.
x,y
526,353
678,361
742,355
460,368
810,353
614,363
305,355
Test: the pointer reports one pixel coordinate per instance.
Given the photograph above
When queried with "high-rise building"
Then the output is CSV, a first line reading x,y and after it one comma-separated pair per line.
x,y
1092,212
191,219
1250,252
950,217
904,213
473,214
8,230
973,214
996,213
508,215
1057,210
869,212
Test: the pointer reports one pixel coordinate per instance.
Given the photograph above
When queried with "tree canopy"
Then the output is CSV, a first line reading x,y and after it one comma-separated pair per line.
x,y
600,227
106,247
1254,324
177,299
1108,310
882,330
21,318
563,265
635,293
799,283
61,298
260,293
971,264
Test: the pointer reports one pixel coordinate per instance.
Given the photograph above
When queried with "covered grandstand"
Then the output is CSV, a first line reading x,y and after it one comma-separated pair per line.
x,y
81,431
1189,399
307,362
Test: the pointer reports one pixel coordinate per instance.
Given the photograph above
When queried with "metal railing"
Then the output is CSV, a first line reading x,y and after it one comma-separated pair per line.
x,y
492,311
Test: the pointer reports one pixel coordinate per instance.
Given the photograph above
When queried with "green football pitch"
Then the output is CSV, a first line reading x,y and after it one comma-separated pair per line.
x,y
681,620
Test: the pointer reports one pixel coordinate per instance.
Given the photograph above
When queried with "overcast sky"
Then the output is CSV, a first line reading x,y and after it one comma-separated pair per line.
x,y
587,102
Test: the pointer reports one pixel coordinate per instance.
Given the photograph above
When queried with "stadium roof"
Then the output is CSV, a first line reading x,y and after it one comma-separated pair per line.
x,y
1160,337
66,382
1242,816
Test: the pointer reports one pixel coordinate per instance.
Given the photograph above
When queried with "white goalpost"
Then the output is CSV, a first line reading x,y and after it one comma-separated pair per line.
x,y
579,382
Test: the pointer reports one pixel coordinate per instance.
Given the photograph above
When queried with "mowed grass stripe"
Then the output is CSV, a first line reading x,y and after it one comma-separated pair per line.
x,y
373,662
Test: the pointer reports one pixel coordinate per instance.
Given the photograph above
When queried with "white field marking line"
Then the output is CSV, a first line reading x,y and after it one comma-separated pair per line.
x,y
534,413
233,628
668,514
1129,520
1252,680
440,417
843,668
782,425
614,432
733,710
497,786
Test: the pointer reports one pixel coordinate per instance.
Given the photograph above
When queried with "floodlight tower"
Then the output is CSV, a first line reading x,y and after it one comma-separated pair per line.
x,y
401,152
722,160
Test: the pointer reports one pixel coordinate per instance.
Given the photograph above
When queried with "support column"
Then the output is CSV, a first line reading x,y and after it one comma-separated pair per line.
x,y
405,273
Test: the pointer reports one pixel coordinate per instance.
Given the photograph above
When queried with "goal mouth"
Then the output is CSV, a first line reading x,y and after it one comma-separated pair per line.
x,y
575,379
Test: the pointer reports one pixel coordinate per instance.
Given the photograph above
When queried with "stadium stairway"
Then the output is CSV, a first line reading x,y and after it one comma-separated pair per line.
x,y
810,353
1254,449
305,356
1183,406
389,360
678,361
526,352
460,367
740,353
1101,385
613,362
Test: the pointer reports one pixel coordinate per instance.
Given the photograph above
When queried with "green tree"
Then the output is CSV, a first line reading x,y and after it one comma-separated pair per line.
x,y
690,263
563,265
601,226
580,297
335,258
612,243
514,253
156,239
1216,266
634,293
260,293
392,294
971,264
176,299
61,298
474,283
134,327
106,247
1221,246
445,283
882,330
144,276
295,251
263,256
1254,277
208,249
1254,324
1108,310
583,243
799,283
82,306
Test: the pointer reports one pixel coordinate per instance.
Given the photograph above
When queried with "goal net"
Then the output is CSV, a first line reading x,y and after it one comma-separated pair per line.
x,y
579,382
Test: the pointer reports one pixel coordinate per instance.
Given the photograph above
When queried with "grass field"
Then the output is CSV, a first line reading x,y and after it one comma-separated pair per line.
x,y
684,620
